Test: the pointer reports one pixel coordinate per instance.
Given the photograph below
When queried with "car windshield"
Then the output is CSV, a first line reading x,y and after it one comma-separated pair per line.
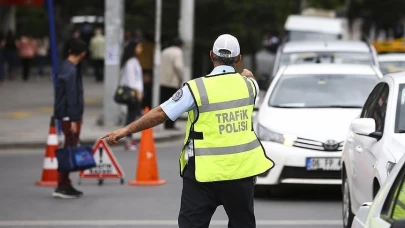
x,y
392,66
400,118
322,91
327,57
300,35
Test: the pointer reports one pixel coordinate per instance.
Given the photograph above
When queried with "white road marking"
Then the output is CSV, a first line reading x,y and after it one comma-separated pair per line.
x,y
55,223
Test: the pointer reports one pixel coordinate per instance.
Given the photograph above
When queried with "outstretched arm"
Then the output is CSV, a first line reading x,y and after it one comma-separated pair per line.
x,y
151,119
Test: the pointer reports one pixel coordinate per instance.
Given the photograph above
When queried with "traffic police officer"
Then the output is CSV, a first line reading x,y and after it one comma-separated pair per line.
x,y
222,155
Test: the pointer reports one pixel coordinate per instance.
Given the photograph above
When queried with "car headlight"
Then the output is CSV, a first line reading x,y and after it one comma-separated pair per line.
x,y
267,135
390,166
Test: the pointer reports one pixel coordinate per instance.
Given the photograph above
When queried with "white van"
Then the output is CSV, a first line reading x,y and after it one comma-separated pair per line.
x,y
302,27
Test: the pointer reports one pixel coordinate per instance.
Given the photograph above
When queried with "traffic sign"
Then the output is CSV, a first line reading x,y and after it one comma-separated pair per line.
x,y
107,164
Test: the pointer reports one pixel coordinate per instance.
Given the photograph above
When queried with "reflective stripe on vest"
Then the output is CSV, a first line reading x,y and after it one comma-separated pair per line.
x,y
401,204
224,143
399,209
228,150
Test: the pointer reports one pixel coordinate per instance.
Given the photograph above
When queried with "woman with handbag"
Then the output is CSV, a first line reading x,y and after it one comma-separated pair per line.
x,y
132,82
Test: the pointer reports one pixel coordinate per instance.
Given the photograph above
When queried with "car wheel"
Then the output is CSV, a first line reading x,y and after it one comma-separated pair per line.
x,y
347,205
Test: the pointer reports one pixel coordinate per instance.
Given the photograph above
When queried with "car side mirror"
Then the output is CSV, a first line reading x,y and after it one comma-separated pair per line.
x,y
398,223
365,127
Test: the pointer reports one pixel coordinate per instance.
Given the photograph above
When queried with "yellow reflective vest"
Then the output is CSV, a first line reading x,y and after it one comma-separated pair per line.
x,y
224,143
399,209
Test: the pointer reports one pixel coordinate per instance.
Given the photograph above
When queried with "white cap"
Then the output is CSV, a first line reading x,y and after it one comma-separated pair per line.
x,y
226,42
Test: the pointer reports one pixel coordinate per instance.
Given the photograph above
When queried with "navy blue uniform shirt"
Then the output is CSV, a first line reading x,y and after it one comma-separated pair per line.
x,y
69,99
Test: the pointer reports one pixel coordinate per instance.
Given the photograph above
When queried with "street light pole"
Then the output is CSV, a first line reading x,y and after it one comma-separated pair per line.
x,y
52,38
156,56
54,52
114,24
186,31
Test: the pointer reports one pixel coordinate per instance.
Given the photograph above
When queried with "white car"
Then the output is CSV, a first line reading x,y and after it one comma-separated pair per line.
x,y
391,63
306,27
386,211
375,142
303,120
349,51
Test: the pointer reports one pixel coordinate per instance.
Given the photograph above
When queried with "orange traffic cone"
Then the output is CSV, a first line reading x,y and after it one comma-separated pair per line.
x,y
147,170
50,172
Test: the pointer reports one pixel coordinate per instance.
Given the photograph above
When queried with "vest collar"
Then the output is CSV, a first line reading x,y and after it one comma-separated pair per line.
x,y
223,69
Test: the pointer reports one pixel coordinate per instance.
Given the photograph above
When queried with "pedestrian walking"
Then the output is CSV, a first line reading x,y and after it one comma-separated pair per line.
x,y
131,76
146,61
76,35
97,46
42,53
26,51
69,107
171,76
222,155
10,54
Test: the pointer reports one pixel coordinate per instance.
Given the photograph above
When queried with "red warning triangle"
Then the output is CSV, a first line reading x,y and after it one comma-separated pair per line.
x,y
107,164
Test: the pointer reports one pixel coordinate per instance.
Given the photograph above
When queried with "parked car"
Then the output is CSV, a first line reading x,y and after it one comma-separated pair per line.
x,y
387,209
375,143
357,52
391,63
303,119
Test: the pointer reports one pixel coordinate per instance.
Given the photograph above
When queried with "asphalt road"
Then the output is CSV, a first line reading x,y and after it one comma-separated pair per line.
x,y
23,204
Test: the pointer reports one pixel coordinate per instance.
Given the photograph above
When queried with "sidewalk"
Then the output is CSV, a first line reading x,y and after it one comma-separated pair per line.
x,y
26,109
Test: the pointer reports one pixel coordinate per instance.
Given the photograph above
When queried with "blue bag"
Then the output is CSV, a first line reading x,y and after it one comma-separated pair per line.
x,y
77,158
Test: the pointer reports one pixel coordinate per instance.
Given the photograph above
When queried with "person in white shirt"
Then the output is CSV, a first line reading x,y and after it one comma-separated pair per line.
x,y
42,53
171,74
97,46
131,76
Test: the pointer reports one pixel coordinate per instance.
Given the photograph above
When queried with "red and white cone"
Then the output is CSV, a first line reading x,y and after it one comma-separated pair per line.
x,y
50,166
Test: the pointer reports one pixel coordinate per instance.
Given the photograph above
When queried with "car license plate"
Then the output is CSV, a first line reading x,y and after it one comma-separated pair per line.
x,y
326,164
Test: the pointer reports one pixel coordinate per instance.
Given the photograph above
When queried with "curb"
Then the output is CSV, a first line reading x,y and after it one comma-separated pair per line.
x,y
42,144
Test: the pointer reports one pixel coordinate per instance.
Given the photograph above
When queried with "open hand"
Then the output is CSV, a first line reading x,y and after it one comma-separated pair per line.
x,y
115,136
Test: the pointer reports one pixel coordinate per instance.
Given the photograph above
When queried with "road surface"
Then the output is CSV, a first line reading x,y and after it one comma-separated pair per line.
x,y
24,204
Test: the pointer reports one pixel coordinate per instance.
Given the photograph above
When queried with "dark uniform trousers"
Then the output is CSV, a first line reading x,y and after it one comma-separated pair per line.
x,y
200,200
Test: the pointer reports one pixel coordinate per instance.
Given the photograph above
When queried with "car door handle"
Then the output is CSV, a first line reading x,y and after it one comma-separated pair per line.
x,y
359,149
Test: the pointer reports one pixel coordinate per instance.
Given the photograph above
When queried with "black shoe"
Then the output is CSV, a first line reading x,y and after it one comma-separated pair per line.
x,y
76,191
65,193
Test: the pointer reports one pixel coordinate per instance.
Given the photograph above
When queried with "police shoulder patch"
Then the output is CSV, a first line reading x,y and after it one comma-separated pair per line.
x,y
177,95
